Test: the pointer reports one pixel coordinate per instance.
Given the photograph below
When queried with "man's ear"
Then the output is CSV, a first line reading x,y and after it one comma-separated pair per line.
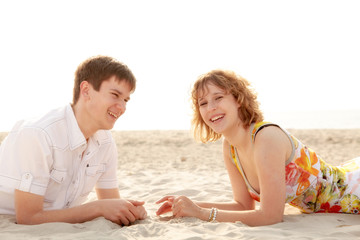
x,y
85,90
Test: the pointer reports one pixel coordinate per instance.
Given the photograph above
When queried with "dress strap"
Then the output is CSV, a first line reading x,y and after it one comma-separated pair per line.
x,y
235,158
256,127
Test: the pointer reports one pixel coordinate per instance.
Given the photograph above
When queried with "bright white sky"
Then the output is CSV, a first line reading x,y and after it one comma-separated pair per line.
x,y
299,55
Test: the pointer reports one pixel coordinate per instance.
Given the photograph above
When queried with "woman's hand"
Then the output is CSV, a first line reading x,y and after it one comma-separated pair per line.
x,y
166,206
181,207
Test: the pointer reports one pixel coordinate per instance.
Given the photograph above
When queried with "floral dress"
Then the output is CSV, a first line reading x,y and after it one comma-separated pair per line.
x,y
311,184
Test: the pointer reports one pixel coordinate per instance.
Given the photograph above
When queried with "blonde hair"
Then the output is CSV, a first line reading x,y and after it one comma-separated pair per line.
x,y
249,111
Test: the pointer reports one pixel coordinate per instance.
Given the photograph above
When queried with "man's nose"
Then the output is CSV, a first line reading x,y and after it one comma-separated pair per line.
x,y
121,105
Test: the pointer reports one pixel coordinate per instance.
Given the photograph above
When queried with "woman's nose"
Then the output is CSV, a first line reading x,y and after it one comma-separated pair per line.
x,y
211,105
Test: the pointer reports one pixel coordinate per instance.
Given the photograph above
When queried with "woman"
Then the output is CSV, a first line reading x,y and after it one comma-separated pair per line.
x,y
265,163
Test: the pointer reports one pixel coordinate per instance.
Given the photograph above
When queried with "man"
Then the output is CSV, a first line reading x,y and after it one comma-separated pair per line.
x,y
48,166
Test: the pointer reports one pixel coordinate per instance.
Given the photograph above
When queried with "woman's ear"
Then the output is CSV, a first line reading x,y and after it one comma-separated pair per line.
x,y
238,102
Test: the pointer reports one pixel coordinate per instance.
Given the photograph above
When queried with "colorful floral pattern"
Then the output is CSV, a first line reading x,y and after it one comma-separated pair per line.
x,y
315,186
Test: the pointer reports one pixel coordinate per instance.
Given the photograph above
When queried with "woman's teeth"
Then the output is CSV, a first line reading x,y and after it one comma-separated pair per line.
x,y
216,118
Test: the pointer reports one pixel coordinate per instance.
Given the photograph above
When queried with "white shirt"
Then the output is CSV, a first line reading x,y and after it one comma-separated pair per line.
x,y
49,156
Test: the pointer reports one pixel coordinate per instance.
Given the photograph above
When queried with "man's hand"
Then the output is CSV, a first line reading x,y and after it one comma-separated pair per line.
x,y
121,211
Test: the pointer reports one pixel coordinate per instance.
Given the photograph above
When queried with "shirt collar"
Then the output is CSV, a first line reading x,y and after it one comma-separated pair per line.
x,y
76,137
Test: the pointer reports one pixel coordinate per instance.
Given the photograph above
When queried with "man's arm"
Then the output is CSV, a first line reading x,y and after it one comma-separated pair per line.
x,y
29,210
107,193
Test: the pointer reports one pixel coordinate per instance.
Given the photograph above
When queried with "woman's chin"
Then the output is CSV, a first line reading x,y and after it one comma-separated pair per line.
x,y
218,130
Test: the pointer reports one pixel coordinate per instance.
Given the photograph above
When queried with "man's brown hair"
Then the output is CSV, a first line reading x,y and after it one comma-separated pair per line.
x,y
97,69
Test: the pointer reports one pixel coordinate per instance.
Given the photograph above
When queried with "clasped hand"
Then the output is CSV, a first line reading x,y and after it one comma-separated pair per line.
x,y
123,212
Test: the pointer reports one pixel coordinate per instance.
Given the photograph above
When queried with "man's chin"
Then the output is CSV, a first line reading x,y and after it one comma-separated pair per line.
x,y
108,127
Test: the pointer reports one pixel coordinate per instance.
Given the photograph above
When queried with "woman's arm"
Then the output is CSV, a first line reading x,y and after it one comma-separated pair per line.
x,y
271,149
270,152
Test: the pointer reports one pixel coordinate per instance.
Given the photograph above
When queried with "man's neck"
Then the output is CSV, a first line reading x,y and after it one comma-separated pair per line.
x,y
83,121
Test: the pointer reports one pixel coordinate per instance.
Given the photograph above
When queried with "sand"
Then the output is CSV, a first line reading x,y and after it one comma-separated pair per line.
x,y
157,163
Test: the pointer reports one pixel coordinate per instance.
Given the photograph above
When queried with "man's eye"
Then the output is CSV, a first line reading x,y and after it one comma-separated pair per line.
x,y
115,94
220,97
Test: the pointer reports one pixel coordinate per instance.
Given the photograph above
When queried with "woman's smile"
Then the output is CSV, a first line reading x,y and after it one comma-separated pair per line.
x,y
217,118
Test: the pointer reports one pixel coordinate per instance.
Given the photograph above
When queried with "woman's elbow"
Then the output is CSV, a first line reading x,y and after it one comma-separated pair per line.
x,y
240,206
272,218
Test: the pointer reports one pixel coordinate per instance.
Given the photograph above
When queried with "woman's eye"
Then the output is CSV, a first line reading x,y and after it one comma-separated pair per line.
x,y
202,104
218,98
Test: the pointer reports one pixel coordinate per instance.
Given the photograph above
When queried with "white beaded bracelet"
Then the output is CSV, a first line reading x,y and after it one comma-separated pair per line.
x,y
213,214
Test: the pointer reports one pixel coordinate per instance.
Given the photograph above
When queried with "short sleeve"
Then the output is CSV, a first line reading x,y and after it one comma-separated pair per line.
x,y
25,160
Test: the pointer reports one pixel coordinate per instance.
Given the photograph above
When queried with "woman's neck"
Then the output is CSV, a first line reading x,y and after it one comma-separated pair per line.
x,y
239,137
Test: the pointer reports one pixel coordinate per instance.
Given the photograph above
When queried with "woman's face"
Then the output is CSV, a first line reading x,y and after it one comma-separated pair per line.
x,y
218,109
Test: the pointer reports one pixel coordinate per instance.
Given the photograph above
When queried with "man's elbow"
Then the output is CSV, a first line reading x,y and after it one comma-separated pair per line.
x,y
25,220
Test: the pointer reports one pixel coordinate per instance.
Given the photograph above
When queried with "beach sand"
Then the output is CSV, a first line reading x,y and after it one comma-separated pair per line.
x,y
157,163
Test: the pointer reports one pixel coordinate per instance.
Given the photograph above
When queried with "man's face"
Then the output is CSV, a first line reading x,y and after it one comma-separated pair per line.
x,y
109,103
